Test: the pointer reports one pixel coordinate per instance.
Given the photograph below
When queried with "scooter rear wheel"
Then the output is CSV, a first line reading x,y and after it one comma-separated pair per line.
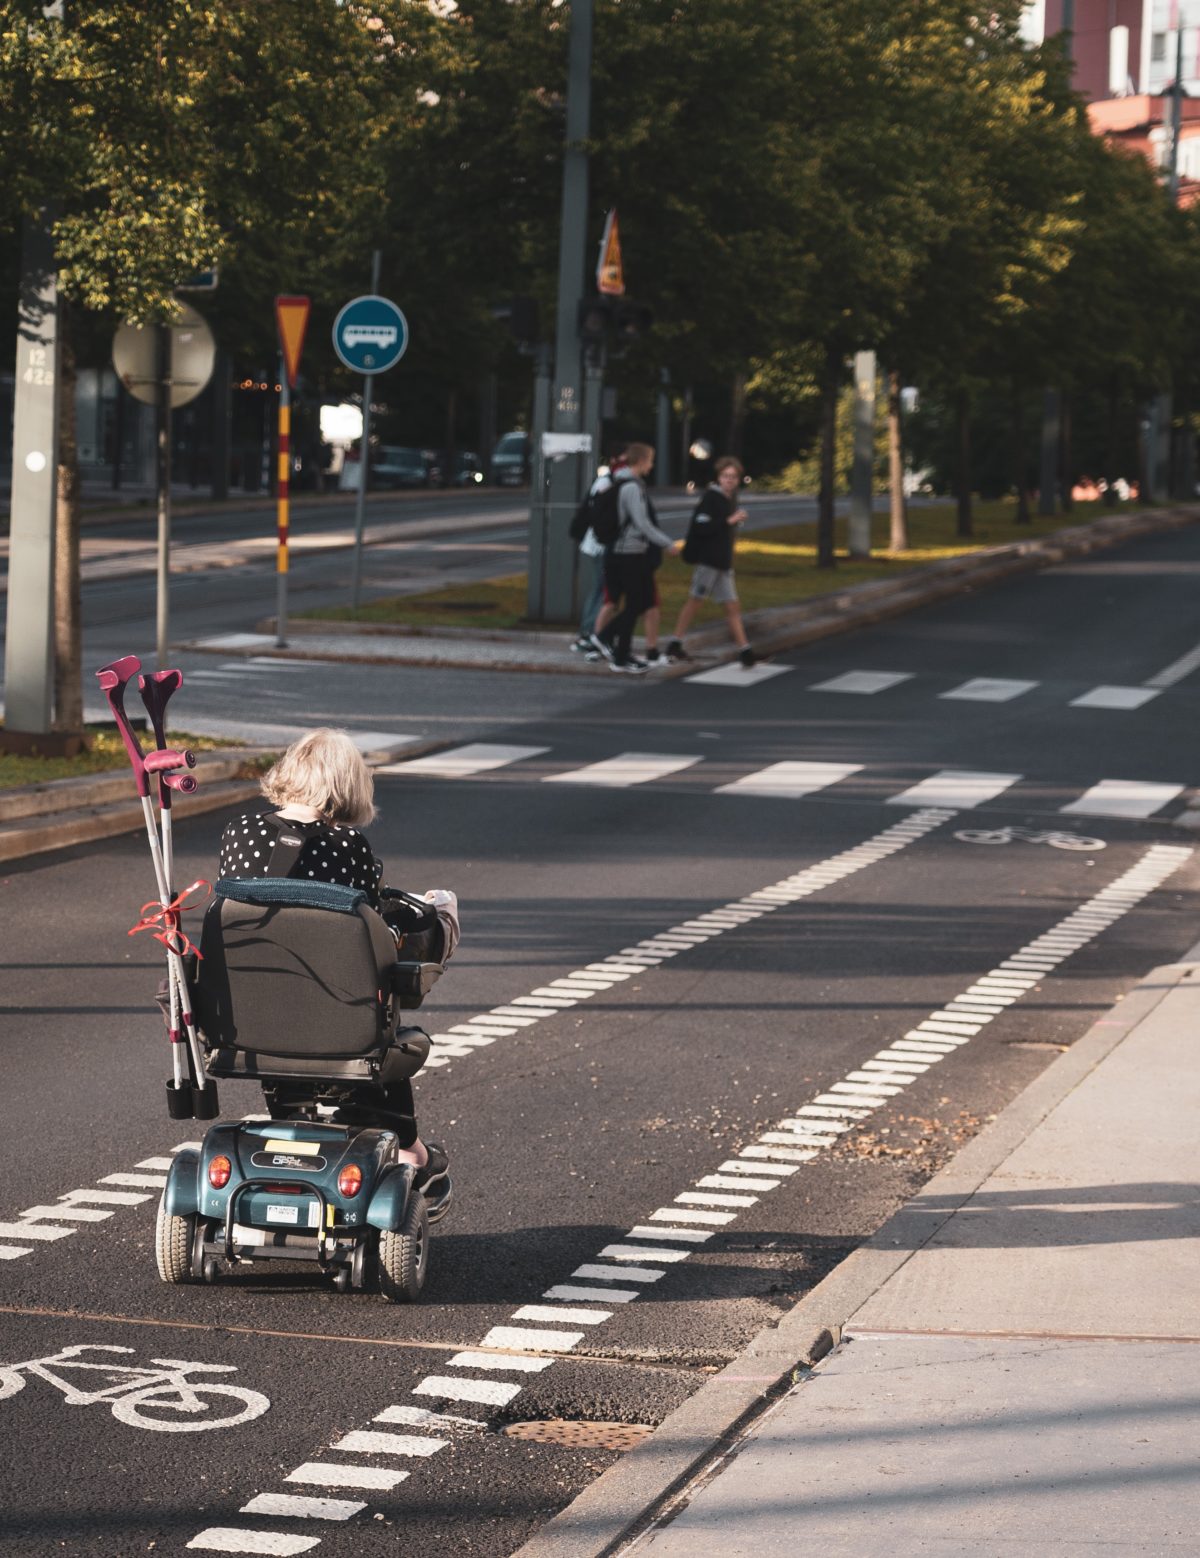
x,y
404,1254
173,1238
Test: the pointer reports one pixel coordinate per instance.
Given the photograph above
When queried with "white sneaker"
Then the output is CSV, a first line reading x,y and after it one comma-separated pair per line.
x,y
605,649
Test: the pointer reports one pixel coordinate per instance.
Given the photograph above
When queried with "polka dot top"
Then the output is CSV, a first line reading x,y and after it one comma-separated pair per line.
x,y
330,854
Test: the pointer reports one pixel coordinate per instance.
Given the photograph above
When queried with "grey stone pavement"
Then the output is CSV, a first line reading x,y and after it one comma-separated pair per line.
x,y
1010,1366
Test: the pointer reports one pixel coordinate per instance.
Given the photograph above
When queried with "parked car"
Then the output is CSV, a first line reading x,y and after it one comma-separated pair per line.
x,y
510,460
467,470
399,465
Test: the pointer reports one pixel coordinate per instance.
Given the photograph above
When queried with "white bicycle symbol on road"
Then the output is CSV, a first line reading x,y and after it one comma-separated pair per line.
x,y
144,1398
1056,840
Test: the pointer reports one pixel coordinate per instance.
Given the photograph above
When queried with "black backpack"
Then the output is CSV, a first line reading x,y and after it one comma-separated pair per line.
x,y
600,513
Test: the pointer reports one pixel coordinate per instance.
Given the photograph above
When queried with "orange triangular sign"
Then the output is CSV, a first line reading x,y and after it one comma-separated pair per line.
x,y
610,272
291,319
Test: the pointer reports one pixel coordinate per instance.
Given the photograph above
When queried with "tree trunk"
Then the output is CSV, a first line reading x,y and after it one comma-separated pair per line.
x,y
1023,515
898,541
1110,474
964,526
826,556
1066,456
737,415
68,648
451,438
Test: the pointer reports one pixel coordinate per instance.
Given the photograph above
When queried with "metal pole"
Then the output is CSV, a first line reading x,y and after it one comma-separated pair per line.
x,y
1176,114
565,487
282,490
1051,439
864,455
162,376
662,431
364,462
535,602
29,638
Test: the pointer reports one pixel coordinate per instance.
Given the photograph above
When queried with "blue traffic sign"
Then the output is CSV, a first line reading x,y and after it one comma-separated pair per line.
x,y
370,334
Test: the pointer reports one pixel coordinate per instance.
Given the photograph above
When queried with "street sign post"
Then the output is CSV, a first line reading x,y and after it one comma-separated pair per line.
x,y
291,321
370,335
165,366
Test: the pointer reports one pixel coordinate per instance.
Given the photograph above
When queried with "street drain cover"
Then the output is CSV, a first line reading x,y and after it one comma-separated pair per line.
x,y
581,1435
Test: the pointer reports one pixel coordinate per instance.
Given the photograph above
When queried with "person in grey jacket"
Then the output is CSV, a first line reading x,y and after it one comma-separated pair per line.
x,y
630,561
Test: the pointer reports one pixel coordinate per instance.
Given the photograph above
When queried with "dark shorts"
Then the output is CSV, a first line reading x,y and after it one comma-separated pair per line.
x,y
630,577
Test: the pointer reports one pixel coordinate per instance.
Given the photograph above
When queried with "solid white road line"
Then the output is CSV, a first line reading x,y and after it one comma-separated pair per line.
x,y
989,689
961,788
297,1507
627,769
864,682
1124,798
790,780
1115,698
477,757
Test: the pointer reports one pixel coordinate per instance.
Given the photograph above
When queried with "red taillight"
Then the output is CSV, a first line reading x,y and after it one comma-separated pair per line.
x,y
350,1180
219,1170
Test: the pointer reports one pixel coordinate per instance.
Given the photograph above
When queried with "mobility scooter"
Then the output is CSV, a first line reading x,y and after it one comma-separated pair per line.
x,y
297,985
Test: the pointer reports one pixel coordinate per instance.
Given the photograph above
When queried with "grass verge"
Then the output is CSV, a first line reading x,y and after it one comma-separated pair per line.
x,y
106,753
775,567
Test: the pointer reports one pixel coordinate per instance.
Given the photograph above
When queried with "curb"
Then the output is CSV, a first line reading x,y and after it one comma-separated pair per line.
x,y
771,629
62,813
638,1489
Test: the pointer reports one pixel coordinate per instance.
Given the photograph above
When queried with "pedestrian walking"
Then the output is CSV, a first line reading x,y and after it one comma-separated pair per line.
x,y
630,562
592,549
709,547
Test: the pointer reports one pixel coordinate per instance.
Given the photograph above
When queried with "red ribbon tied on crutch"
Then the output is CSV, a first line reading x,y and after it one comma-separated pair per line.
x,y
166,917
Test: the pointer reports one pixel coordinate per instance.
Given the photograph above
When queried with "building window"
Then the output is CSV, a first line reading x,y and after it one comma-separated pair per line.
x,y
1158,48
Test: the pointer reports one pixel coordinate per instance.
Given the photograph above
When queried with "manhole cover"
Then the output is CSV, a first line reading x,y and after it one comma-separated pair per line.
x,y
580,1435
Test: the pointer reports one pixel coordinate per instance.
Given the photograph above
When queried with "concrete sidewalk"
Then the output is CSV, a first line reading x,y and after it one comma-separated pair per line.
x,y
1016,1366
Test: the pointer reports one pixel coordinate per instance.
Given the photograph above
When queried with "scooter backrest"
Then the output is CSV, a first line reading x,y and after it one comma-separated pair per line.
x,y
298,969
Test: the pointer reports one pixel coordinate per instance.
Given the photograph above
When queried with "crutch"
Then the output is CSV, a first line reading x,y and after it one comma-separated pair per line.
x,y
187,1097
164,763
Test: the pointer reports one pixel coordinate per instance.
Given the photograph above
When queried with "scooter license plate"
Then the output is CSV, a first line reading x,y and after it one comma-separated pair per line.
x,y
294,1215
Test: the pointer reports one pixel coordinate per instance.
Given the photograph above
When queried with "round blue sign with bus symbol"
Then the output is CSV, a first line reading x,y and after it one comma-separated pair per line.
x,y
370,334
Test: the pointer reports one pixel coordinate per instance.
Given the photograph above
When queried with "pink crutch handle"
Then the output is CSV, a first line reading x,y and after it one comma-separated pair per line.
x,y
184,783
114,678
167,759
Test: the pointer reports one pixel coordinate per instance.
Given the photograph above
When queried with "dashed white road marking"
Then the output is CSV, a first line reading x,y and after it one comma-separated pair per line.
x,y
961,788
738,675
790,780
628,768
295,1506
610,1295
565,1315
330,1474
601,1273
366,1441
498,1362
1176,671
477,757
1115,698
423,1417
533,1341
143,1181
1124,798
492,1392
865,682
989,689
227,1539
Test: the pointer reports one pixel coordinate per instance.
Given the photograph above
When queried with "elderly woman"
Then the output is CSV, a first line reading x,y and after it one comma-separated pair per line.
x,y
322,792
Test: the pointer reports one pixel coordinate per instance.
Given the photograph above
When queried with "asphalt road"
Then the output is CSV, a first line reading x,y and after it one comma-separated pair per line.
x,y
608,1121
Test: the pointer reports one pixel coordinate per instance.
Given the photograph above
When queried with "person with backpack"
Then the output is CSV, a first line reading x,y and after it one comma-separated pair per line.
x,y
582,530
634,547
709,548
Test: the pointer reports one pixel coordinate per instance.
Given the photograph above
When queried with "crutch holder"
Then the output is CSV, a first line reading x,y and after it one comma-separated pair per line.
x,y
181,1102
204,1101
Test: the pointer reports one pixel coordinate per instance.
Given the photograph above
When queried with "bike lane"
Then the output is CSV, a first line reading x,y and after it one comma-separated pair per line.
x,y
660,1110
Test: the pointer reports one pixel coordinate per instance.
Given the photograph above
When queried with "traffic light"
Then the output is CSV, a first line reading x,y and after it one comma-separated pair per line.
x,y
619,319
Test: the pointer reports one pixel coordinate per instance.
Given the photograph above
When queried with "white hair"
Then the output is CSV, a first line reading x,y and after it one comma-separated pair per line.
x,y
325,770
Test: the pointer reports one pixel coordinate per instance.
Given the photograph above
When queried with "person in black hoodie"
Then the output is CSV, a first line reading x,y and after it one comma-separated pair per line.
x,y
710,547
